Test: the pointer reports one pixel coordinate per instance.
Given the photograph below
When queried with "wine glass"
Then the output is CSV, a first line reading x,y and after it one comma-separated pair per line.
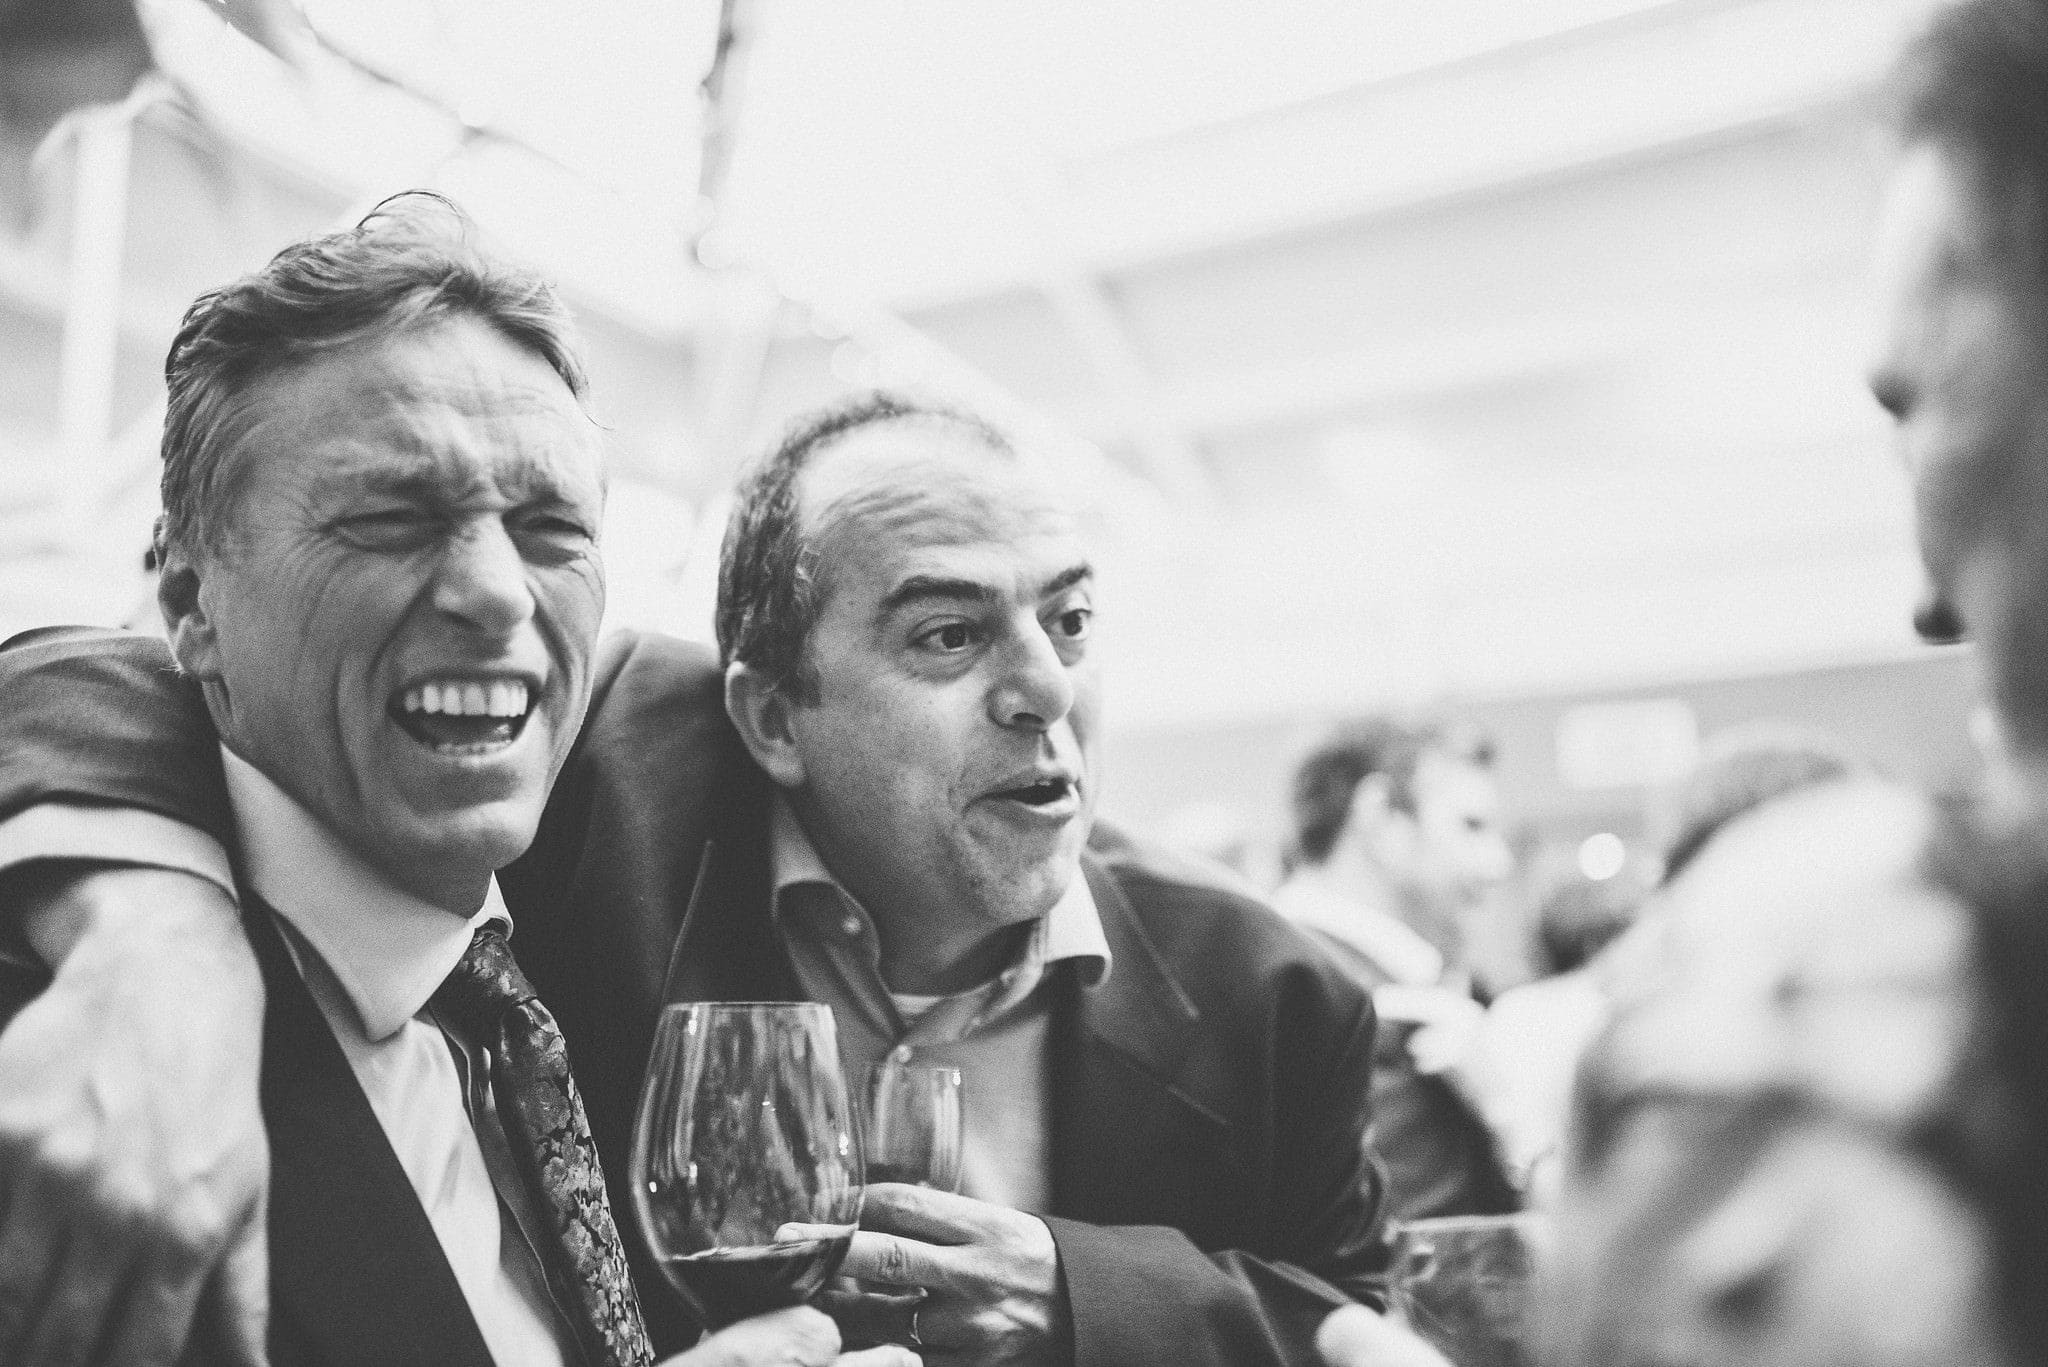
x,y
912,1125
1463,1283
744,1128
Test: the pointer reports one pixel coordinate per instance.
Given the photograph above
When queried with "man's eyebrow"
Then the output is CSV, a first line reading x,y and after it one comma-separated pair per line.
x,y
922,586
1067,578
428,481
919,587
416,481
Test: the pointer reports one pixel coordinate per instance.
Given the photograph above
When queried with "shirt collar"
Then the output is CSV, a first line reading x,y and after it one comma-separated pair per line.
x,y
1388,942
388,949
1071,930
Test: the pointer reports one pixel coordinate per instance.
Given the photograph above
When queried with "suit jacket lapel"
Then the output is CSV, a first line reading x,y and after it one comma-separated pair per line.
x,y
1121,1106
354,1264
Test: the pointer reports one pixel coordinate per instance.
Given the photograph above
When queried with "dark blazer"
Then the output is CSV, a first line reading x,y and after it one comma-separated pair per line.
x,y
356,1271
1212,1199
1439,1156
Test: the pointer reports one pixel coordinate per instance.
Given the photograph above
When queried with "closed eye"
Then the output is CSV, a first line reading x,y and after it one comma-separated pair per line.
x,y
385,527
552,538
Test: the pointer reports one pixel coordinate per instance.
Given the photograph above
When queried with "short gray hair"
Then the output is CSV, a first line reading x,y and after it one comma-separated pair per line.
x,y
411,259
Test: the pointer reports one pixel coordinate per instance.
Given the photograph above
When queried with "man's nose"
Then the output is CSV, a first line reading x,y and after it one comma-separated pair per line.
x,y
482,580
1034,689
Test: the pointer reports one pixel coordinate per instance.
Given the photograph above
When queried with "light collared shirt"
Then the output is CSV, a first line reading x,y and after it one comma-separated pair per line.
x,y
998,1034
372,955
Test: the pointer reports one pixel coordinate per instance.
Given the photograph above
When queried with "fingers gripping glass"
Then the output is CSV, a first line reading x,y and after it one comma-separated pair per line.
x,y
744,1128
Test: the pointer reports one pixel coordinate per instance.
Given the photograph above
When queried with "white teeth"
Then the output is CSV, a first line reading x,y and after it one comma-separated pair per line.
x,y
508,699
499,698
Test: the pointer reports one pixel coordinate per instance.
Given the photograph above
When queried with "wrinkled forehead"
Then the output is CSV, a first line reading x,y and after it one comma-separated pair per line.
x,y
928,484
450,410
1804,953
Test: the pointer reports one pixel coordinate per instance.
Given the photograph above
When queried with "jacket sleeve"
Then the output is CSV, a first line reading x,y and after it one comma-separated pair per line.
x,y
103,717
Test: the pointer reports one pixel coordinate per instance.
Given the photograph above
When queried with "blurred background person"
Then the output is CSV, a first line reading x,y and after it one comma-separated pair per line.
x,y
1814,1132
1740,769
1815,1136
1397,829
1962,359
1517,1074
1520,1071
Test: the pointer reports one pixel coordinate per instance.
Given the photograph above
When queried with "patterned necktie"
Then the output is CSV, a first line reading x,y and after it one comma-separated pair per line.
x,y
489,999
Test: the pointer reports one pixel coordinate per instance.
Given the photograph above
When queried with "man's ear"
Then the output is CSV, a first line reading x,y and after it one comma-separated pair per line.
x,y
760,712
186,623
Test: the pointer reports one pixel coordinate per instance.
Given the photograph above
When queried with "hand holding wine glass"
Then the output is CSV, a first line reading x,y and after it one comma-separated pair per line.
x,y
744,1128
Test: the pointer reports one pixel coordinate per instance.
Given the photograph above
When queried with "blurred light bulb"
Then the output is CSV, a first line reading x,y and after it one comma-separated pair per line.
x,y
1602,856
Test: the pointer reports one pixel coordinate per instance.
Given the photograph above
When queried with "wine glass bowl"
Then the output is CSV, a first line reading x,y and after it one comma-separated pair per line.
x,y
911,1125
744,1128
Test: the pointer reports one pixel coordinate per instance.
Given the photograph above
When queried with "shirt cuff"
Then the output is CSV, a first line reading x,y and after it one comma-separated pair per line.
x,y
113,835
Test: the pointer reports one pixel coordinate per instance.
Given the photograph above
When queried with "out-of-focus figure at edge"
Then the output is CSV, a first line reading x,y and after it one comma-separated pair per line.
x,y
1397,826
1814,1133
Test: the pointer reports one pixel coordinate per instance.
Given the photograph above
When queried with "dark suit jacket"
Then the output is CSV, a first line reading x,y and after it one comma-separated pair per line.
x,y
356,1271
1439,1156
1212,1200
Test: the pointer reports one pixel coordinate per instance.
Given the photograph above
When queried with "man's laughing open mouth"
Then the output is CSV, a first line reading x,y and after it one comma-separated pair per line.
x,y
464,716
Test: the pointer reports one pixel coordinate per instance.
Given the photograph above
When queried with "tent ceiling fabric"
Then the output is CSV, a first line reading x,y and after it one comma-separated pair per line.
x,y
1472,346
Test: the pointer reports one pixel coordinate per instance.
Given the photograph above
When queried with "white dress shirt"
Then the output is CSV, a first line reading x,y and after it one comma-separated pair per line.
x,y
372,955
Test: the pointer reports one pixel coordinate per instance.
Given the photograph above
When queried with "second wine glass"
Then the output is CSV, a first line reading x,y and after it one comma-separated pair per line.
x,y
911,1125
744,1128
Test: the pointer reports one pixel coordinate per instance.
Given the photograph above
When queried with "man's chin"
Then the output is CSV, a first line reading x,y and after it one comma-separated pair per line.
x,y
469,845
1018,894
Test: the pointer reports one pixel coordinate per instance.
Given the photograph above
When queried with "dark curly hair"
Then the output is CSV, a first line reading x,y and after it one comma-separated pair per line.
x,y
1395,746
767,567
1976,83
411,259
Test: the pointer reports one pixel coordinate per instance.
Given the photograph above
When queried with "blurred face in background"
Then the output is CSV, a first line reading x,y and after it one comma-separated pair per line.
x,y
1449,853
1746,1185
1962,366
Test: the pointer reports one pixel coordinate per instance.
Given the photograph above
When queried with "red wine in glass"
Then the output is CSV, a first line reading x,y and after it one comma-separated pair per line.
x,y
728,1284
744,1128
911,1125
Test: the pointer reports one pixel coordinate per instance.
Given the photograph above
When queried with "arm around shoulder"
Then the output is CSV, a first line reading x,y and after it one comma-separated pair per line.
x,y
103,717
